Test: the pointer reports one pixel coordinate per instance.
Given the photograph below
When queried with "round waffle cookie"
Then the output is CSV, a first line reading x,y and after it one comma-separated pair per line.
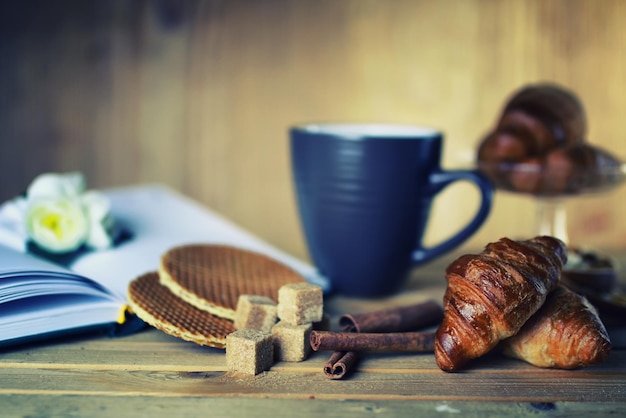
x,y
159,307
211,277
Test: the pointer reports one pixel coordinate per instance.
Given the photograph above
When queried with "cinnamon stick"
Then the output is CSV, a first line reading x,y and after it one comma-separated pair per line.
x,y
405,318
414,342
339,364
397,319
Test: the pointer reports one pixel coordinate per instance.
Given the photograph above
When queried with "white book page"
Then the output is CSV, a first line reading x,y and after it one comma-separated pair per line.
x,y
160,218
60,312
12,261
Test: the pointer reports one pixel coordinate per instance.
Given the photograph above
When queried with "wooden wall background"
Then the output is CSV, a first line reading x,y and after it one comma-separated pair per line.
x,y
199,94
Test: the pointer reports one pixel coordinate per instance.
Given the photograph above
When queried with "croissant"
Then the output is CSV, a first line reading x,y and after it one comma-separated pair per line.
x,y
490,296
535,119
539,145
566,333
567,170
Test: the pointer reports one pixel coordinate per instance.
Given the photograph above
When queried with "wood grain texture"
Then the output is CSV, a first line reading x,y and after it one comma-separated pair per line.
x,y
199,94
154,374
196,406
98,376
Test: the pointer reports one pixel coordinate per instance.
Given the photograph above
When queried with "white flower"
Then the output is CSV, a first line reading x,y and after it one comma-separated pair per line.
x,y
12,226
70,185
57,225
59,216
100,220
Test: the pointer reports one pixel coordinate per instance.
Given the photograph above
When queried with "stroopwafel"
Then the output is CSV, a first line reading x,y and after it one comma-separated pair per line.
x,y
212,277
159,307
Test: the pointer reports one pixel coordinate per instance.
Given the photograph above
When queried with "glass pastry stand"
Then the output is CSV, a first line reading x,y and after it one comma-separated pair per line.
x,y
597,276
550,190
552,218
551,204
593,274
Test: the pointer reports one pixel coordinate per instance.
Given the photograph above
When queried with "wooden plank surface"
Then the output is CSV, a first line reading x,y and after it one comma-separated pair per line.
x,y
197,406
151,367
154,367
156,374
154,364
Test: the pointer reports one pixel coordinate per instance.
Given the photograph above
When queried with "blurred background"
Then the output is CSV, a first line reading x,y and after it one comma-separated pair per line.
x,y
199,94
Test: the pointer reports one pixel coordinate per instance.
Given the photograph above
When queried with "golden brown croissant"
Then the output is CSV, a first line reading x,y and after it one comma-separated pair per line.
x,y
565,333
491,295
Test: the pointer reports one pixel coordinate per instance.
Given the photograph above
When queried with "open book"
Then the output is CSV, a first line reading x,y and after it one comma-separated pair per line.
x,y
41,299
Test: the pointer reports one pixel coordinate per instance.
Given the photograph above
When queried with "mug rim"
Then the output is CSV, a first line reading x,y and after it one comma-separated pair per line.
x,y
362,130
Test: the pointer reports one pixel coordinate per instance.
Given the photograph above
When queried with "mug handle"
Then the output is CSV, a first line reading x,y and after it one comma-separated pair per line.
x,y
438,181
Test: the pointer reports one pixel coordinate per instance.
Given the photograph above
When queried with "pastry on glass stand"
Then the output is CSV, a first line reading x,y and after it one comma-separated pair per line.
x,y
539,147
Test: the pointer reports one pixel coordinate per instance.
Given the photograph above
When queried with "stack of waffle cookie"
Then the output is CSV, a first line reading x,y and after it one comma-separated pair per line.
x,y
193,295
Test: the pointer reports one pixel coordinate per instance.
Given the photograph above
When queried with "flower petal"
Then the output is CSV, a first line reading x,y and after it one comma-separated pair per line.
x,y
57,225
12,226
99,237
56,185
101,223
96,205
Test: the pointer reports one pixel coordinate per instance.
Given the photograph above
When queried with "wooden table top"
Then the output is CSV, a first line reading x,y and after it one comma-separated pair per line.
x,y
153,374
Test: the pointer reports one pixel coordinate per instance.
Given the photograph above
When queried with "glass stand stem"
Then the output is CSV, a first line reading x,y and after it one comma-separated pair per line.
x,y
552,219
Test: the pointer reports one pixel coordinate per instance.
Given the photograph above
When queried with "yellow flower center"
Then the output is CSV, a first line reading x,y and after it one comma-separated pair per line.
x,y
52,221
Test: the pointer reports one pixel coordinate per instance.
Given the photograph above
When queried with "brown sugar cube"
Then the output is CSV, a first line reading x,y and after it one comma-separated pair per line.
x,y
249,351
255,312
291,342
300,303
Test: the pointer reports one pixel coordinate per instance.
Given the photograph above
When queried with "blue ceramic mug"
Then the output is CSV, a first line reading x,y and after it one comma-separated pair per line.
x,y
364,194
